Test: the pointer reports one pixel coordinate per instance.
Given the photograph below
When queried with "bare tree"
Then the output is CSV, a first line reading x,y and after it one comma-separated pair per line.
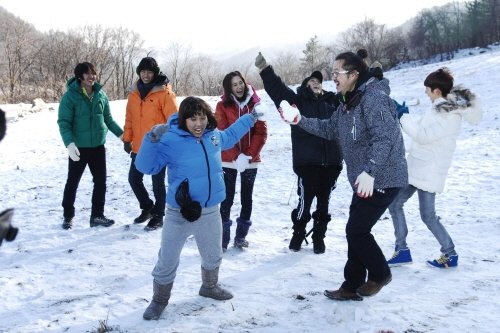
x,y
179,66
126,48
382,44
207,76
55,63
287,66
20,48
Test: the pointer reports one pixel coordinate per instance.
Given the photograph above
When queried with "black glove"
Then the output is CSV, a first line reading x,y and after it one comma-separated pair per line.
x,y
127,146
190,210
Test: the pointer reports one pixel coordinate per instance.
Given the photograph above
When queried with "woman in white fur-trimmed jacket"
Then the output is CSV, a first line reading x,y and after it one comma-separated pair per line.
x,y
434,137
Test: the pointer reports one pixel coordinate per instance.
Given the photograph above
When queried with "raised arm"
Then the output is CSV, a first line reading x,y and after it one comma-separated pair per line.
x,y
274,86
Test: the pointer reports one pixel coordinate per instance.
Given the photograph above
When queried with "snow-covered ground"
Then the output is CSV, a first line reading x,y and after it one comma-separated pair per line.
x,y
53,280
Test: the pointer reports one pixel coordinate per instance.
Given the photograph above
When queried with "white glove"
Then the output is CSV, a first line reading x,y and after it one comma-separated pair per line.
x,y
73,152
259,112
364,183
242,162
289,113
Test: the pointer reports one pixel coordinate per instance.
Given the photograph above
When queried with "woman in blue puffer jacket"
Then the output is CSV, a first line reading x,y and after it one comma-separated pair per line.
x,y
190,146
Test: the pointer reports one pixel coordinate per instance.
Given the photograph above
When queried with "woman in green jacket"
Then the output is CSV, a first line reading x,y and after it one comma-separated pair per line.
x,y
84,119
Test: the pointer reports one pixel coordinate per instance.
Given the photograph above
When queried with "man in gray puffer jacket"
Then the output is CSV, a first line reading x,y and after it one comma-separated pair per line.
x,y
372,144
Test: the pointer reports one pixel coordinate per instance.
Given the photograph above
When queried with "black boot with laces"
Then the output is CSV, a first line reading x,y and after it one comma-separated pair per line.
x,y
145,215
96,221
154,223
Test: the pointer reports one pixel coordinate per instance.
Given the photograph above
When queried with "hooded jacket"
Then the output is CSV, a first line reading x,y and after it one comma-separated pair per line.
x,y
307,149
83,121
434,136
251,143
192,158
369,133
143,114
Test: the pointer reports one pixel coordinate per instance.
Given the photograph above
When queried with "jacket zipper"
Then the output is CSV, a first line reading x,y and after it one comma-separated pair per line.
x,y
208,169
353,131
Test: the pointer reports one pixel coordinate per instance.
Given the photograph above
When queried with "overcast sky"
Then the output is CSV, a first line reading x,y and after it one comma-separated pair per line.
x,y
212,27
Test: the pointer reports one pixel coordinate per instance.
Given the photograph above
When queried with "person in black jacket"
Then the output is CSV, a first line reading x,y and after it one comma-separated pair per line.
x,y
316,161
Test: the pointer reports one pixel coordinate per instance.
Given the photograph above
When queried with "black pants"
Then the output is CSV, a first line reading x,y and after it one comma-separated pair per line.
x,y
96,160
318,182
363,252
135,179
246,192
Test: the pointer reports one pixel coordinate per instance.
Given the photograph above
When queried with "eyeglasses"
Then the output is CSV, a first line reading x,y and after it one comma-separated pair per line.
x,y
337,73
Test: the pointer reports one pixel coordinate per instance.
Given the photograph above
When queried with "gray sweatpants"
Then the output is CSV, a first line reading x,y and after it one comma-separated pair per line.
x,y
207,232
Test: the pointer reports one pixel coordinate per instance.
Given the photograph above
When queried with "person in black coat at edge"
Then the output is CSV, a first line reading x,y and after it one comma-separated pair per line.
x,y
7,231
316,161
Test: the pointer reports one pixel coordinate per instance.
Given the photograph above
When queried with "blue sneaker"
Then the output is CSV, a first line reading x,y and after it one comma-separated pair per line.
x,y
400,257
444,261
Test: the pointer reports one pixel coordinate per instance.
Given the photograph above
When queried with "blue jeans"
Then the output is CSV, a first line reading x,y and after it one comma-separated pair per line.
x,y
427,213
135,179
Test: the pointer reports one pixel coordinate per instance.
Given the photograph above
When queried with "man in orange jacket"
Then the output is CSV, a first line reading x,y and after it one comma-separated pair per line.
x,y
150,102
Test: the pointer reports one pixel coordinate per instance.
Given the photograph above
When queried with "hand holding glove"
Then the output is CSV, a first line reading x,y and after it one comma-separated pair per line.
x,y
242,162
157,131
401,109
364,184
260,62
190,210
258,112
73,152
289,113
127,146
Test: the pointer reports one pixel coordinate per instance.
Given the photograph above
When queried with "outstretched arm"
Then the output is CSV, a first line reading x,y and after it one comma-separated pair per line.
x,y
231,135
324,128
153,154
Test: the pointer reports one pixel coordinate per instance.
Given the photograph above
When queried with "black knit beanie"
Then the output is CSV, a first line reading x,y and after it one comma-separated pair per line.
x,y
148,64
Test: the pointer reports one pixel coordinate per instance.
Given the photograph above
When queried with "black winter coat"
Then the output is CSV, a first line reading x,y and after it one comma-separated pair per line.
x,y
307,149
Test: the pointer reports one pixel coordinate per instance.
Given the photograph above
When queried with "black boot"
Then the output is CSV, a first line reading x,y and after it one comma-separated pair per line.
x,y
226,233
103,221
299,231
67,223
319,230
241,232
145,215
161,295
154,223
